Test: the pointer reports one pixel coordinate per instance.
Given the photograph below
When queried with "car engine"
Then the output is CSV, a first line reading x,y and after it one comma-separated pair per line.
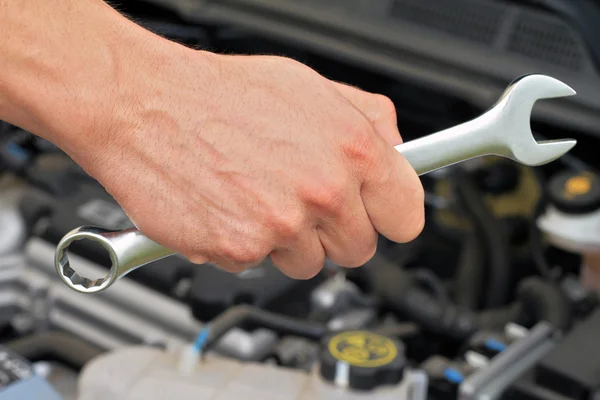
x,y
496,299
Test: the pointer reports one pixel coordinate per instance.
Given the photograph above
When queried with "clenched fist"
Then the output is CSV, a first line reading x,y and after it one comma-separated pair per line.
x,y
230,159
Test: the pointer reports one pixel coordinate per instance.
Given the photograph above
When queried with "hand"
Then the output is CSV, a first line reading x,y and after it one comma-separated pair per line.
x,y
224,159
230,159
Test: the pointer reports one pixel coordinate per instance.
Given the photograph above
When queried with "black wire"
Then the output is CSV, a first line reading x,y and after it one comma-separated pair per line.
x,y
242,315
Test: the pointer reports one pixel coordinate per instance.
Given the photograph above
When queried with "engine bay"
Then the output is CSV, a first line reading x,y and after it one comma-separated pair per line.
x,y
496,299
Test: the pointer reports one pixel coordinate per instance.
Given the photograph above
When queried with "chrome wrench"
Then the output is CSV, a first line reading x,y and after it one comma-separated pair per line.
x,y
504,130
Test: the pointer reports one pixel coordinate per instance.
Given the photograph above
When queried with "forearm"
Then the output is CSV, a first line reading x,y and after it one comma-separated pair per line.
x,y
66,67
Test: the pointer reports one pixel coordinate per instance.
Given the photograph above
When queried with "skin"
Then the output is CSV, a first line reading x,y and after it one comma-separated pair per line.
x,y
224,159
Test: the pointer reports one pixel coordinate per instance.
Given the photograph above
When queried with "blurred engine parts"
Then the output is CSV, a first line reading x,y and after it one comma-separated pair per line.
x,y
354,365
19,380
440,334
490,365
571,220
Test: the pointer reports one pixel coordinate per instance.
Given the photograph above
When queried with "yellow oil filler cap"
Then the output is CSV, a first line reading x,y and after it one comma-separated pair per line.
x,y
362,360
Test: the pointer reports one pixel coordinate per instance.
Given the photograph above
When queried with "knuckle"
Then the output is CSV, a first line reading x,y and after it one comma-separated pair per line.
x,y
239,252
281,60
386,105
289,63
292,63
360,148
334,198
330,197
288,224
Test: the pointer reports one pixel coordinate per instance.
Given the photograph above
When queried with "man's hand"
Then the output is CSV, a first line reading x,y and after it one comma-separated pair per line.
x,y
265,157
230,159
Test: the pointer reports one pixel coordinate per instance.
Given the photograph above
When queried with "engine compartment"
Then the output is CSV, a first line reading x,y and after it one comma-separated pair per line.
x,y
484,304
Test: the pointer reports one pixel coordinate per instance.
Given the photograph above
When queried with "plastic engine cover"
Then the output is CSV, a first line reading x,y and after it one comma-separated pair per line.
x,y
147,373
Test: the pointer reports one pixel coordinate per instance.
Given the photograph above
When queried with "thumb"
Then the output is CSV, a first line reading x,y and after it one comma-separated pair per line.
x,y
379,109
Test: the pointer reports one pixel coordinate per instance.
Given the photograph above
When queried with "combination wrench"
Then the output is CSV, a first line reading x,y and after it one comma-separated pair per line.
x,y
504,130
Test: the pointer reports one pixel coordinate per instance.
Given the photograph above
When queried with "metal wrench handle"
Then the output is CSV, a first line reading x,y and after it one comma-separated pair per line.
x,y
447,147
503,130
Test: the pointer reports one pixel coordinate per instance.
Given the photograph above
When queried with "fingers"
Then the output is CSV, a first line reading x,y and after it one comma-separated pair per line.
x,y
393,196
392,192
379,109
349,239
388,200
235,258
303,259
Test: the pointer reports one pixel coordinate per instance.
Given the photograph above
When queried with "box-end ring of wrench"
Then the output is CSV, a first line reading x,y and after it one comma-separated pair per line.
x,y
504,130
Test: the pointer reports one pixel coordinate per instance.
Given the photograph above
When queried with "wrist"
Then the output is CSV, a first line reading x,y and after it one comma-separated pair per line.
x,y
143,101
134,100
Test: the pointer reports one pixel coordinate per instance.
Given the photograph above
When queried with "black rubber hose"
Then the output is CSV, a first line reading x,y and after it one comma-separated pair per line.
x,y
537,300
58,345
242,315
544,301
468,284
400,291
494,238
428,280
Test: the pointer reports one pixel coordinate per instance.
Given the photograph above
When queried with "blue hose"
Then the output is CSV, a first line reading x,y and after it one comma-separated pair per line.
x,y
201,339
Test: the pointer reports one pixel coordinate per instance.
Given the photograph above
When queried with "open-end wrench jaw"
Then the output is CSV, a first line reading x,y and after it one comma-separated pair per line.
x,y
510,119
504,130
